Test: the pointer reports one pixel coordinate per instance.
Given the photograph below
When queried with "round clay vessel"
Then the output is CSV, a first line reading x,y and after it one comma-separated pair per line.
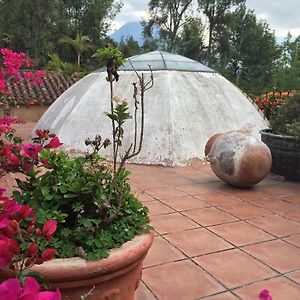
x,y
210,142
240,159
113,278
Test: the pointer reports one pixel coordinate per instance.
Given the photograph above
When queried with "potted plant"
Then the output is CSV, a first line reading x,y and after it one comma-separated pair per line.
x,y
283,138
103,231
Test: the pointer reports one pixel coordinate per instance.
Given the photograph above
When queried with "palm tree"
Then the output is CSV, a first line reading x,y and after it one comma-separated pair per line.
x,y
80,44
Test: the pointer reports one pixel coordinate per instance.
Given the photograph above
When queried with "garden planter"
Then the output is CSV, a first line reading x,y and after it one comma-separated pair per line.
x,y
114,278
285,154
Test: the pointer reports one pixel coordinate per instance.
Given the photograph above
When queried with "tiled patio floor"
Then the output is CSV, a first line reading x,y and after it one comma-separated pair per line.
x,y
214,241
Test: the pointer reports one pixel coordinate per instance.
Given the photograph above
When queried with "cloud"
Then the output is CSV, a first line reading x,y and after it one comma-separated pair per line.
x,y
132,10
281,15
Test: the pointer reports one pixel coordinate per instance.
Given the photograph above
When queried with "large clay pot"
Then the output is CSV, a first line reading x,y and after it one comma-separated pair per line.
x,y
113,278
239,158
285,154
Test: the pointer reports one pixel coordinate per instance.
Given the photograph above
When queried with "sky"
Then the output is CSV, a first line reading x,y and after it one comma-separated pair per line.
x,y
281,15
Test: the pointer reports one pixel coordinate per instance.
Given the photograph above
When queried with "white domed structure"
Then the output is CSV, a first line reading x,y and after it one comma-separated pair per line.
x,y
188,103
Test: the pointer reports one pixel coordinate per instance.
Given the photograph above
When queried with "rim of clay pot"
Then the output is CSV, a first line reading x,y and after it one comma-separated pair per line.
x,y
76,268
270,132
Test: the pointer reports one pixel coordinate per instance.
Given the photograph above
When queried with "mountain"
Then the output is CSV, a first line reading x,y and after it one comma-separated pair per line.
x,y
133,29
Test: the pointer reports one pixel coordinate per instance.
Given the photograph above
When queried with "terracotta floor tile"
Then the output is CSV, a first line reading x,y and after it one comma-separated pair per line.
x,y
219,199
251,195
293,214
143,293
240,233
161,252
293,199
278,254
295,276
158,208
246,211
197,242
276,225
184,203
279,288
234,268
279,190
293,239
209,216
195,189
179,180
171,223
162,193
222,296
274,204
181,281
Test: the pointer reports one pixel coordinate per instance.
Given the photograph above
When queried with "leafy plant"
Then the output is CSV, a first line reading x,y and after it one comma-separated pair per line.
x,y
105,55
78,192
88,196
286,119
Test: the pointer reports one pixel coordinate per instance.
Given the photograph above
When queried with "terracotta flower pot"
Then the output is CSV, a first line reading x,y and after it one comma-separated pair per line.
x,y
113,278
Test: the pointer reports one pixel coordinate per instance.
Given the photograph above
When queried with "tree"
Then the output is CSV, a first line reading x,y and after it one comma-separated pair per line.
x,y
287,68
215,11
168,16
248,60
90,16
129,47
81,43
36,25
192,39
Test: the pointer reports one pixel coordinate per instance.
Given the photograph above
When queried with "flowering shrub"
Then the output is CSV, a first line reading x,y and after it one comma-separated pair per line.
x,y
23,241
10,71
285,119
270,101
18,157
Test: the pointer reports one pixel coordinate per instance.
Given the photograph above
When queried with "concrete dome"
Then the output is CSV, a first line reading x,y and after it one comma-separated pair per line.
x,y
188,103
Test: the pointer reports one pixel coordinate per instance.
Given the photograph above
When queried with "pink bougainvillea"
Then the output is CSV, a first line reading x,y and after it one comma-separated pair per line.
x,y
11,289
10,70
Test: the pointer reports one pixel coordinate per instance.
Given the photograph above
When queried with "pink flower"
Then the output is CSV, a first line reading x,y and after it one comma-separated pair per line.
x,y
54,143
49,228
32,150
265,295
11,290
50,295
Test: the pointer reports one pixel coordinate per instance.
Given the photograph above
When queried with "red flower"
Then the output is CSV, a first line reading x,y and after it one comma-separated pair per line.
x,y
54,143
42,134
8,248
49,228
48,254
32,250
